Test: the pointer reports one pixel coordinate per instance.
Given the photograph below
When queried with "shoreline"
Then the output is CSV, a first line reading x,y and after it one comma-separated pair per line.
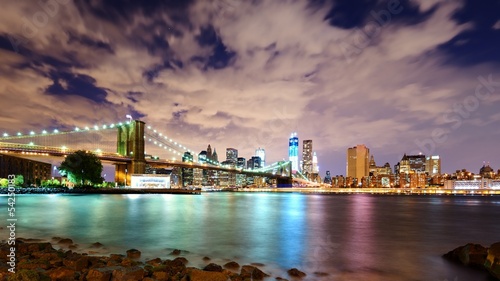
x,y
62,259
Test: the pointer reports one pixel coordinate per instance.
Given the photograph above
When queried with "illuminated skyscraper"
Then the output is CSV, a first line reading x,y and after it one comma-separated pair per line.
x,y
293,151
232,155
307,157
262,154
433,165
357,161
315,167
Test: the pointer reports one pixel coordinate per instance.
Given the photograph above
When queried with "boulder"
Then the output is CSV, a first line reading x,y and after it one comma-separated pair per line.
x,y
249,271
492,263
175,252
473,255
232,265
100,274
63,273
65,241
133,254
195,274
294,272
28,274
96,245
154,262
76,262
213,267
127,273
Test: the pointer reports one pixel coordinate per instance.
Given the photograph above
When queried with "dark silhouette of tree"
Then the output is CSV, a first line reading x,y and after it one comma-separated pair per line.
x,y
82,168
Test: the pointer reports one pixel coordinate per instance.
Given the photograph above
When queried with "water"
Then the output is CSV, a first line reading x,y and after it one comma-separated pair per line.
x,y
351,237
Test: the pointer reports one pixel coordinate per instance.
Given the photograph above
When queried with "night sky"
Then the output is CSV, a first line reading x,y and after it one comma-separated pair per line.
x,y
398,76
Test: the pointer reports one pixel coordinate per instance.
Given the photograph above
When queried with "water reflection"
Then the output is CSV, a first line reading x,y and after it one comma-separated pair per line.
x,y
356,237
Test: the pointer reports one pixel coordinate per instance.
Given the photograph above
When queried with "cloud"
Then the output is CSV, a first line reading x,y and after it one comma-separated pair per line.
x,y
497,25
261,70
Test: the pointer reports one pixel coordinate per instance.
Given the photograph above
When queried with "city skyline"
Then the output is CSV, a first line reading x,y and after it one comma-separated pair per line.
x,y
398,76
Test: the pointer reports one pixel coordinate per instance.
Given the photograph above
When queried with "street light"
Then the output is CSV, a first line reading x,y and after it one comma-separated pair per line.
x,y
129,117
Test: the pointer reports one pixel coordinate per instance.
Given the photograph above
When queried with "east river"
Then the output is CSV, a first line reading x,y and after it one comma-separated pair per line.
x,y
350,237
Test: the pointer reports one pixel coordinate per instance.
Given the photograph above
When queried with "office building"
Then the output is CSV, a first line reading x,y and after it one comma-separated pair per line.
x,y
307,157
231,156
262,154
357,165
433,165
293,151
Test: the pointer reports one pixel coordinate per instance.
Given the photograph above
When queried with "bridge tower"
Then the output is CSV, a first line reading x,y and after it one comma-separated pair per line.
x,y
130,143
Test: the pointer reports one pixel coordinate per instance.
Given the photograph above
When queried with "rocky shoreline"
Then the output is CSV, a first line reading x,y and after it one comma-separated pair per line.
x,y
37,260
478,256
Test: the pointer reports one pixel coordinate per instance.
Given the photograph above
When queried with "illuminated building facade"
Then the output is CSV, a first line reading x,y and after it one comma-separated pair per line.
x,y
357,165
293,151
262,154
307,157
433,165
32,171
231,156
315,167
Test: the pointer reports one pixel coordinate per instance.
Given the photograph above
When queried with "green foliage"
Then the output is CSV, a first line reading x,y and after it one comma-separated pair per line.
x,y
4,182
51,183
82,168
19,180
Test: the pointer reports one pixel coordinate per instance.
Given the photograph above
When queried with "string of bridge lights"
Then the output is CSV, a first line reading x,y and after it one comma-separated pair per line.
x,y
57,131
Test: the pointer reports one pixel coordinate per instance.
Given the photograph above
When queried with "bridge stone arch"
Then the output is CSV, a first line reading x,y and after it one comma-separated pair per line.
x,y
130,143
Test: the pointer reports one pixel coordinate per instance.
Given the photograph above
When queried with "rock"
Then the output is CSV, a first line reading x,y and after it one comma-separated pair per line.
x,y
294,272
283,279
206,258
232,265
100,274
76,261
96,245
65,241
195,274
318,273
63,273
28,274
180,260
473,255
249,271
128,273
33,264
492,263
133,254
213,267
154,262
160,275
176,252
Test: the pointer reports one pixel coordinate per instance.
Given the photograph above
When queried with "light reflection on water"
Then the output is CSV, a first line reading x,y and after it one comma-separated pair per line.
x,y
352,237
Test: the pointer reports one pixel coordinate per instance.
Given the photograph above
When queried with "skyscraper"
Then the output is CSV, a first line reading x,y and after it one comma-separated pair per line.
x,y
315,167
262,154
232,155
293,151
307,157
357,162
209,152
433,165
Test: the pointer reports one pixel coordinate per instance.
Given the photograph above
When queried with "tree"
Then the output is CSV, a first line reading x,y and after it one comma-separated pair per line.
x,y
19,180
82,168
4,182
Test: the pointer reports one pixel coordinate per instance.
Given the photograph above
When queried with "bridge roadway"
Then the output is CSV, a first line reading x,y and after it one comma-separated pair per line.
x,y
115,158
